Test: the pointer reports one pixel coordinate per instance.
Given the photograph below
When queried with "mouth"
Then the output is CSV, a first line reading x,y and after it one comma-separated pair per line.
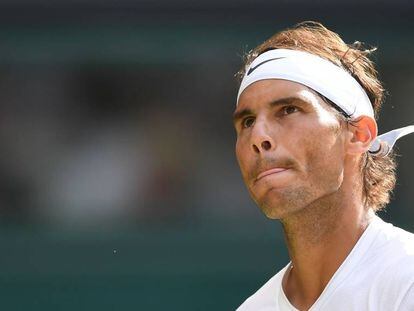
x,y
272,171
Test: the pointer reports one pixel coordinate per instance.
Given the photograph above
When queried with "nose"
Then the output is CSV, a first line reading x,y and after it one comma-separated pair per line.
x,y
261,139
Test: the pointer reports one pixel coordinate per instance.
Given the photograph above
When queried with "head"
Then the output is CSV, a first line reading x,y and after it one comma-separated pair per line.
x,y
294,147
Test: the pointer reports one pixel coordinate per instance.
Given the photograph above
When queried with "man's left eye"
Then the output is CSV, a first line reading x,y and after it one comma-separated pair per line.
x,y
289,109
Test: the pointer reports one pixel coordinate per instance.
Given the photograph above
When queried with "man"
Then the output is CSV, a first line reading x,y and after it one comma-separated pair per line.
x,y
310,156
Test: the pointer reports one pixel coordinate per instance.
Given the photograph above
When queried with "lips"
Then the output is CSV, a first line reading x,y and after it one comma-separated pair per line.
x,y
270,172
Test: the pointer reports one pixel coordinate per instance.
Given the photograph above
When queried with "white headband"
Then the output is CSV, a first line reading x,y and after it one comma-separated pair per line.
x,y
327,79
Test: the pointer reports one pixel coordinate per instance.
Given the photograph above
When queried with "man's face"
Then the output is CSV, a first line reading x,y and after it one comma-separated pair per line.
x,y
290,146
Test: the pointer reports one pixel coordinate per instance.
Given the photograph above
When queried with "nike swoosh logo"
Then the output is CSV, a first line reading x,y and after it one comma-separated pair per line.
x,y
258,65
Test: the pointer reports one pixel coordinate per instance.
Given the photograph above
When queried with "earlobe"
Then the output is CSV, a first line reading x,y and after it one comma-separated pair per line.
x,y
362,132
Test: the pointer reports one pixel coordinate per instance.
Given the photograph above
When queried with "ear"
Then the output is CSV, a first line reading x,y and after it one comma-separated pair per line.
x,y
362,132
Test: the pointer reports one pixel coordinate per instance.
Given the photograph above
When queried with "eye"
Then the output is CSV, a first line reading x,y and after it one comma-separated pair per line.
x,y
289,110
247,122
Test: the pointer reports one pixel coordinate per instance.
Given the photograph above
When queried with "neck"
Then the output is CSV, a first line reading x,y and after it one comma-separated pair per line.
x,y
319,238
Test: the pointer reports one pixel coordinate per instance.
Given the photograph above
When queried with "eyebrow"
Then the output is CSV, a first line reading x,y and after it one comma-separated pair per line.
x,y
237,115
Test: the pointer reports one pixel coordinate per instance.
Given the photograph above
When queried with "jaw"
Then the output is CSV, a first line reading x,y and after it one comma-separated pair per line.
x,y
278,203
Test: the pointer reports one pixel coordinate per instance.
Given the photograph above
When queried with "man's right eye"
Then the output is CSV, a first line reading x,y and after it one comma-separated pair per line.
x,y
247,122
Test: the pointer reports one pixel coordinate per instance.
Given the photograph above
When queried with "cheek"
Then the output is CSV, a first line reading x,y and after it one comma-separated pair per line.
x,y
322,137
241,155
325,159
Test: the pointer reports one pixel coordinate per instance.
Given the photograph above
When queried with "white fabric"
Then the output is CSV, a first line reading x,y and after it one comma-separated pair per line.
x,y
326,78
313,71
378,275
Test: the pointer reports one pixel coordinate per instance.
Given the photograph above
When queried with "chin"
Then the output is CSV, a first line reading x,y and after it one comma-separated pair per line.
x,y
273,215
278,205
277,212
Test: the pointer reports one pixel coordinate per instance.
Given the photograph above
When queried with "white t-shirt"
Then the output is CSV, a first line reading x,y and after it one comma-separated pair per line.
x,y
377,275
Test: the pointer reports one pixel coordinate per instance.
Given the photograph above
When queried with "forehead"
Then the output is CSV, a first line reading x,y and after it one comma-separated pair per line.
x,y
262,92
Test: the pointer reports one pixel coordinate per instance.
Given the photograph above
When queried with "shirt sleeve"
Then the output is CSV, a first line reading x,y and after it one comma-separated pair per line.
x,y
407,303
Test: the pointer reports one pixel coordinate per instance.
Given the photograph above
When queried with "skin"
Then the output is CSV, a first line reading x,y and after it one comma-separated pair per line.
x,y
301,165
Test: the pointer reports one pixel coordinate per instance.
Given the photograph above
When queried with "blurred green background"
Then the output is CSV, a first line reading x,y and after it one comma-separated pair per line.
x,y
119,185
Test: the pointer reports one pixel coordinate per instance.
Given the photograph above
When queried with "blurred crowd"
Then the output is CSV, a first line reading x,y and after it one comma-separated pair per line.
x,y
105,145
89,139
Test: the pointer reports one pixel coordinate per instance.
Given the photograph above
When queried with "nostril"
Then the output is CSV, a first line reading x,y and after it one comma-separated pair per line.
x,y
256,149
266,145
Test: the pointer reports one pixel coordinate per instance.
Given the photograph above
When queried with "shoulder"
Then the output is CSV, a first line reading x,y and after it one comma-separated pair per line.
x,y
395,243
407,301
393,249
392,265
266,297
